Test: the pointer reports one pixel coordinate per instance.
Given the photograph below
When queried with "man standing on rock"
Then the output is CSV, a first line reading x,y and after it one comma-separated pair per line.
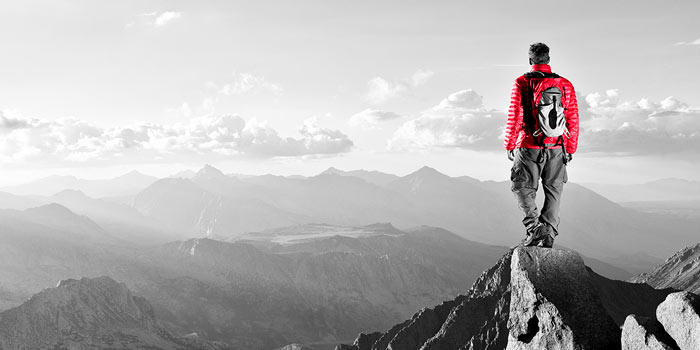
x,y
541,137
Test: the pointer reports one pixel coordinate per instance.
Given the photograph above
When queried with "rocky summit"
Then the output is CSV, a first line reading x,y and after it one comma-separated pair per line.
x,y
90,313
538,298
555,305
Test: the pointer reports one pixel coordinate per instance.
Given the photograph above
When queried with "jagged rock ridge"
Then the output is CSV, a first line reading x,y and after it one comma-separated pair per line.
x,y
90,313
533,298
681,271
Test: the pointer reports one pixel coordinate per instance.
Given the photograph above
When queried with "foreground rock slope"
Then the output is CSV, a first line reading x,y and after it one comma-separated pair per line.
x,y
90,313
681,271
533,298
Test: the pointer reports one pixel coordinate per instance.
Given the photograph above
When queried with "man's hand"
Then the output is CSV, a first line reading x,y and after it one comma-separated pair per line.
x,y
568,158
511,155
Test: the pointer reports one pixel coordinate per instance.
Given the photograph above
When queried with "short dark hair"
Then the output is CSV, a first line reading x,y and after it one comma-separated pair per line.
x,y
539,53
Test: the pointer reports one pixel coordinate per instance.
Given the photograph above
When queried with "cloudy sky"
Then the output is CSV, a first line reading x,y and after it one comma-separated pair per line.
x,y
99,88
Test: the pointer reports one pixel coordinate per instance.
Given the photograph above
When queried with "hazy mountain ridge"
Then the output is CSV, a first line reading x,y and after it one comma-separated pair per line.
x,y
214,204
120,220
374,177
302,292
185,206
225,206
348,288
670,189
683,209
129,183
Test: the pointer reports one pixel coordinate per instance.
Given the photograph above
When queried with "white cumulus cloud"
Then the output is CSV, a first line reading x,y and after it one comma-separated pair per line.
x,y
610,125
249,83
204,138
380,89
458,121
372,118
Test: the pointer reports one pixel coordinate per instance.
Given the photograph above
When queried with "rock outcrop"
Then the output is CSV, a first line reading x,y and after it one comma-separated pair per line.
x,y
533,298
680,316
90,313
644,333
680,271
555,305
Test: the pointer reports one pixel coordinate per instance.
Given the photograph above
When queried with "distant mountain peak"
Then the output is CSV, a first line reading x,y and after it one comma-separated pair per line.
x,y
70,194
417,180
209,171
332,170
427,171
52,209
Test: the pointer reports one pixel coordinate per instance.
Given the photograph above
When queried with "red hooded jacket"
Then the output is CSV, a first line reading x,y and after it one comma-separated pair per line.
x,y
517,136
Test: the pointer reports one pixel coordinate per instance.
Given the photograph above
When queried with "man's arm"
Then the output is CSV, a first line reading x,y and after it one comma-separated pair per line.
x,y
571,114
515,118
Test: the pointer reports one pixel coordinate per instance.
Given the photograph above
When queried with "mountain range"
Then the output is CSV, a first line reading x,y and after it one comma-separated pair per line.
x,y
258,262
315,289
127,184
214,204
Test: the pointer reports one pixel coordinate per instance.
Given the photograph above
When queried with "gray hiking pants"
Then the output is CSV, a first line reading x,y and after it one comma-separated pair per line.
x,y
529,166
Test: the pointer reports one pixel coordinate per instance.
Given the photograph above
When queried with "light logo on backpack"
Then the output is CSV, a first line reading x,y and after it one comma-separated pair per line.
x,y
550,114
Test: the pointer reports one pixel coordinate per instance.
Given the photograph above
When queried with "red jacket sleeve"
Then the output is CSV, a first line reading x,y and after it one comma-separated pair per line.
x,y
515,117
571,114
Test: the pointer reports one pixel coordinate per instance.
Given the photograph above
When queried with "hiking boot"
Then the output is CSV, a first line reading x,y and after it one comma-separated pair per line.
x,y
546,242
534,235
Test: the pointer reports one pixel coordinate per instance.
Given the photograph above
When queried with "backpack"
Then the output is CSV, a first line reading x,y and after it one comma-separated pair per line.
x,y
551,121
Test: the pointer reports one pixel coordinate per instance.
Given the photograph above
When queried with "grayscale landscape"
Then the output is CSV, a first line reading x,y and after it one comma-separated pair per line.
x,y
315,175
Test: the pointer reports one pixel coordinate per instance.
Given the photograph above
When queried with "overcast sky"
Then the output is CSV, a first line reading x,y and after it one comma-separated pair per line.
x,y
98,88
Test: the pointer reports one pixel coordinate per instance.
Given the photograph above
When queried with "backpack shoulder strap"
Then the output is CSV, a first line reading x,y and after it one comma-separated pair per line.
x,y
528,102
538,74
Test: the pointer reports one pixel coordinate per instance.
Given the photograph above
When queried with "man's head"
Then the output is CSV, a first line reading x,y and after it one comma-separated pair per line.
x,y
539,53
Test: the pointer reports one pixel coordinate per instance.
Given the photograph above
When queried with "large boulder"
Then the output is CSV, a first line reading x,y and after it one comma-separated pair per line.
x,y
644,333
680,316
555,305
